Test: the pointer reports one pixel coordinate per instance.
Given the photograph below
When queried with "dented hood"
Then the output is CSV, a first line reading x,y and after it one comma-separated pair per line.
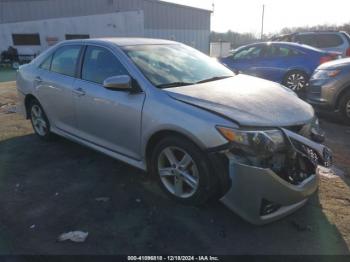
x,y
247,100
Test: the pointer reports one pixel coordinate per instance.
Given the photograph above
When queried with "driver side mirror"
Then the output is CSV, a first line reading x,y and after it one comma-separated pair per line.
x,y
121,83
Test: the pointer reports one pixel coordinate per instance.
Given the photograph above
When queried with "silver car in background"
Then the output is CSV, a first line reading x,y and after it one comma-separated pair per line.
x,y
164,107
329,88
332,41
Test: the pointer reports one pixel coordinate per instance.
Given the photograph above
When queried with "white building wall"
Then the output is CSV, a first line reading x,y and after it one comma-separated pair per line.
x,y
160,19
220,49
122,24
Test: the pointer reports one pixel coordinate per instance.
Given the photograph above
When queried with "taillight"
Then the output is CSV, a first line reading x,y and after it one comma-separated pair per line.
x,y
348,52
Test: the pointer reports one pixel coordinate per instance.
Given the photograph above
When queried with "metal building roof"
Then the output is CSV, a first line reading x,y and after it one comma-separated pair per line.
x,y
158,14
125,41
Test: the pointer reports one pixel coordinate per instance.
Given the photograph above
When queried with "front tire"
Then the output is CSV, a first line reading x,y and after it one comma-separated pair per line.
x,y
39,120
344,107
183,171
296,80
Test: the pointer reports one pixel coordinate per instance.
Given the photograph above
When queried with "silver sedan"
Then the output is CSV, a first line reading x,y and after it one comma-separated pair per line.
x,y
164,107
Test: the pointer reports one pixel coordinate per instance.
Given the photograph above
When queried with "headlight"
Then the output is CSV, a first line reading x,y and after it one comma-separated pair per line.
x,y
254,142
325,74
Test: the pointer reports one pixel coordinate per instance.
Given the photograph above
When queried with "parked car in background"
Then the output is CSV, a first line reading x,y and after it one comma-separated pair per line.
x,y
167,108
330,87
287,63
337,41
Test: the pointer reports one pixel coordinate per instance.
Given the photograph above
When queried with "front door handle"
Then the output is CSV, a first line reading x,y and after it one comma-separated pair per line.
x,y
79,91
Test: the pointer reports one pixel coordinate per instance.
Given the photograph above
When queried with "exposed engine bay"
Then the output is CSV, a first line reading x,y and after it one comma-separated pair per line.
x,y
294,162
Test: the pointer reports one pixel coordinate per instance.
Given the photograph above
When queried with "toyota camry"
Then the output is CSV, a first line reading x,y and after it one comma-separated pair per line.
x,y
166,108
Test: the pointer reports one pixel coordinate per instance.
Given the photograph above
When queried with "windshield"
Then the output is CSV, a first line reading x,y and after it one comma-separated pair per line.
x,y
175,65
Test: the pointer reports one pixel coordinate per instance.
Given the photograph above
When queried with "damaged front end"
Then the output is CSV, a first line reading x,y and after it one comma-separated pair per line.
x,y
272,171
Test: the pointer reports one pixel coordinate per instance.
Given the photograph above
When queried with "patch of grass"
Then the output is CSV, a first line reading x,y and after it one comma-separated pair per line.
x,y
7,74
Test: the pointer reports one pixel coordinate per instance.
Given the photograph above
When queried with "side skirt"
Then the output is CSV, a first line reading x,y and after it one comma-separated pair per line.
x,y
138,164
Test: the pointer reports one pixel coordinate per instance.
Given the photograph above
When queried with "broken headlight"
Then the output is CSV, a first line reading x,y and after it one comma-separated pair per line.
x,y
254,142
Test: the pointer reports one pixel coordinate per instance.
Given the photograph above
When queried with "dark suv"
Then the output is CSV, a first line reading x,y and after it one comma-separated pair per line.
x,y
330,87
337,41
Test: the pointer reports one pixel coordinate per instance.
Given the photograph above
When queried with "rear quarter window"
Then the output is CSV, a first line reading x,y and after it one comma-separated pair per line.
x,y
46,64
320,40
248,53
329,40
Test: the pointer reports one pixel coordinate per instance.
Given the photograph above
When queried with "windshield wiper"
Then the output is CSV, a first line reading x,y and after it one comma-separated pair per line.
x,y
213,79
174,84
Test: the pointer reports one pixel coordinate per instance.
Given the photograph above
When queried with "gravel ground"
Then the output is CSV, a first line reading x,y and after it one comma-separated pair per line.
x,y
50,188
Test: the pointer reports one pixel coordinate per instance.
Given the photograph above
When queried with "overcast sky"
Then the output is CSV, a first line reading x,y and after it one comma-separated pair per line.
x,y
245,15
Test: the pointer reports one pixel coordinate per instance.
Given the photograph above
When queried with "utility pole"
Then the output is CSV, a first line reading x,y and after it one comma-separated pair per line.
x,y
262,22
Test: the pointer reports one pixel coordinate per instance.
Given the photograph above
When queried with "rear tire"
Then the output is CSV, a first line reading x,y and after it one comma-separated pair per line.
x,y
296,80
183,171
39,120
344,106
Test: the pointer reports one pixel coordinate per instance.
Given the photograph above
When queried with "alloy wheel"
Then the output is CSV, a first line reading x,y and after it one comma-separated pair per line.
x,y
296,81
39,123
178,172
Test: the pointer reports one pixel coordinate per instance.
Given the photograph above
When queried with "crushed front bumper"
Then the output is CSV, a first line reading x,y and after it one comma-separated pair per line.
x,y
252,185
253,188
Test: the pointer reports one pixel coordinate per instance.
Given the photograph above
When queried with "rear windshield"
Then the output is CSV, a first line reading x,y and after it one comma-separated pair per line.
x,y
320,40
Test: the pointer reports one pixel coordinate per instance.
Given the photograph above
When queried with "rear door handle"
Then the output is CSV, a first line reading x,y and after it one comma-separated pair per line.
x,y
79,91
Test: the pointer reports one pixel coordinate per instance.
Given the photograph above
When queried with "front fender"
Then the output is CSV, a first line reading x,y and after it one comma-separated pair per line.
x,y
306,70
163,113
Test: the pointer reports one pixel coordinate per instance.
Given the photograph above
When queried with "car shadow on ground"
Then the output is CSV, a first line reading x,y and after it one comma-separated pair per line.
x,y
50,188
332,117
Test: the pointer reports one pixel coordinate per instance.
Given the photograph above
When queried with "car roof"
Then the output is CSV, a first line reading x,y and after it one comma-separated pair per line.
x,y
317,32
300,47
310,32
307,33
124,41
278,43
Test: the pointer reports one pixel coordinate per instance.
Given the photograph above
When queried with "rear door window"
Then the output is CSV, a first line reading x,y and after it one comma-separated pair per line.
x,y
270,51
65,60
248,53
328,40
284,52
278,51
